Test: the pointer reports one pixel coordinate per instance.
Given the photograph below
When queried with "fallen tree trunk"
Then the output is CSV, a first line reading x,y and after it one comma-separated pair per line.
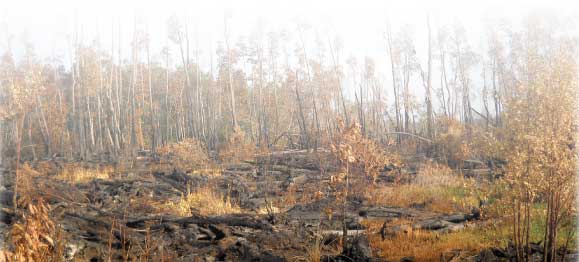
x,y
229,220
179,185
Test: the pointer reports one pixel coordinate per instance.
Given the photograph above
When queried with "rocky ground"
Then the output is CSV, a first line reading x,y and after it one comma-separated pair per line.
x,y
122,218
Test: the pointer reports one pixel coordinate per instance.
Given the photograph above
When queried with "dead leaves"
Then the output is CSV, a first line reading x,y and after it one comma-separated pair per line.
x,y
36,237
360,153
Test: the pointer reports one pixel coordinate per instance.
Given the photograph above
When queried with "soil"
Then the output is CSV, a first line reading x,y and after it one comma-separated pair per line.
x,y
120,217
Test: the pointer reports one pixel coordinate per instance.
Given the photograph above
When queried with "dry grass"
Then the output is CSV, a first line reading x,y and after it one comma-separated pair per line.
x,y
6,255
313,252
237,148
428,246
211,170
185,155
437,175
78,174
28,171
37,237
289,196
436,198
268,210
204,201
435,188
316,249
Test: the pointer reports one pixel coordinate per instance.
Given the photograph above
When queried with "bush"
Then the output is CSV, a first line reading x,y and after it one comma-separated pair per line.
x,y
237,148
204,201
451,144
77,173
37,237
362,155
185,155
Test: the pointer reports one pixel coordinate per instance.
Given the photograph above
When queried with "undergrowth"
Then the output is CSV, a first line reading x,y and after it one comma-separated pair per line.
x,y
203,201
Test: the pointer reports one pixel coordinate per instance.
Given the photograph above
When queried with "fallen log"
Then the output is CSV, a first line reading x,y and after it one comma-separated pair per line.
x,y
352,232
120,233
91,220
179,185
226,220
229,220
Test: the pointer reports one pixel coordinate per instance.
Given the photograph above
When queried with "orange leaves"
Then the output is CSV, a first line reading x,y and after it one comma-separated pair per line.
x,y
318,195
36,237
186,154
360,153
538,126
451,143
237,148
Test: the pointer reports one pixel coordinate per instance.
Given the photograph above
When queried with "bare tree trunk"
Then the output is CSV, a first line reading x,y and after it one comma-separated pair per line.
x,y
76,143
199,102
362,116
429,113
406,93
447,103
133,94
394,85
151,105
334,54
18,133
496,95
230,76
191,122
485,97
316,121
466,105
100,130
2,134
121,116
90,122
44,126
305,137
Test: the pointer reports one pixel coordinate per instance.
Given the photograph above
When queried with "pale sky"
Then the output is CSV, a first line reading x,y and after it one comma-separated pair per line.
x,y
360,24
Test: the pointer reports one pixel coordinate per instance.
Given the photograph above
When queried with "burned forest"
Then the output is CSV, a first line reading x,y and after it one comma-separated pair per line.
x,y
446,142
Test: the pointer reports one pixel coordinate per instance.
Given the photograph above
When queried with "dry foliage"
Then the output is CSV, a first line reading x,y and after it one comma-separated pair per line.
x,y
435,188
357,155
27,191
429,245
237,148
37,237
360,154
451,144
542,157
187,154
433,198
432,174
79,174
313,252
204,201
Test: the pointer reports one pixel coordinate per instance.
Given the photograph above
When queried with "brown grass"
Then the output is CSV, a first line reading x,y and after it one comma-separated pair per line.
x,y
313,252
237,148
435,187
428,246
37,237
185,155
204,201
79,174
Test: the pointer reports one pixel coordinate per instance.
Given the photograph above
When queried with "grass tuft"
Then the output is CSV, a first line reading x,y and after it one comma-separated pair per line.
x,y
204,201
77,174
435,188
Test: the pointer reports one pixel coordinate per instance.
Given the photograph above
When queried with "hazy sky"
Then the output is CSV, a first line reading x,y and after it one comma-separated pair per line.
x,y
360,23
